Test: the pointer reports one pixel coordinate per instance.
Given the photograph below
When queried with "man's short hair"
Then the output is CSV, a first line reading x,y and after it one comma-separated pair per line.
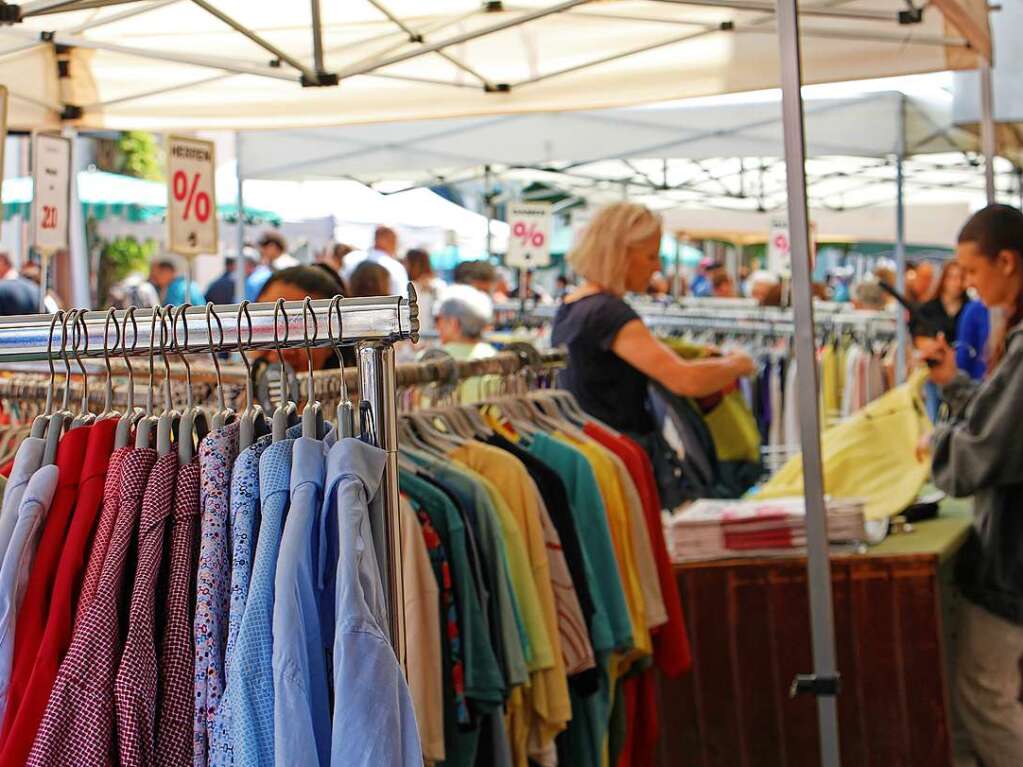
x,y
274,238
869,295
475,271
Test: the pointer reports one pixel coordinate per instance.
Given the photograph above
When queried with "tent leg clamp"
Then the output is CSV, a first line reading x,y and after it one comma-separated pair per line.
x,y
818,686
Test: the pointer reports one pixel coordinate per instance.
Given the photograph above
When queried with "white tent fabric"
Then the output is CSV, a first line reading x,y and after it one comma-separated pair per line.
x,y
700,132
169,65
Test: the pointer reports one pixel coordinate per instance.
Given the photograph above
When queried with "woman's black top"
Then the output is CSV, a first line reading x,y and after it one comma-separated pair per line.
x,y
936,318
606,386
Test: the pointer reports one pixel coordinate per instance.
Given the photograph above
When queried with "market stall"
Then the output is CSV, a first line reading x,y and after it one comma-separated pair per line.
x,y
484,61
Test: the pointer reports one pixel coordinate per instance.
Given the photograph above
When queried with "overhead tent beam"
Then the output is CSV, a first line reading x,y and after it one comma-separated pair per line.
x,y
309,76
210,62
114,17
100,105
466,37
873,36
417,38
314,11
823,12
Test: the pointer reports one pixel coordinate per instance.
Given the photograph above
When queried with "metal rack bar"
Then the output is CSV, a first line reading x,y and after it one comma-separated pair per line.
x,y
384,320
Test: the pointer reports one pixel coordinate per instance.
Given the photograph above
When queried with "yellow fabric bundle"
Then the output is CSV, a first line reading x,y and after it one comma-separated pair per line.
x,y
871,456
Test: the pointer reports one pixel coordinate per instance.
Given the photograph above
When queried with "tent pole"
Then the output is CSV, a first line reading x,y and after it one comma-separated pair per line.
x,y
900,243
239,262
987,130
488,208
317,36
823,682
676,280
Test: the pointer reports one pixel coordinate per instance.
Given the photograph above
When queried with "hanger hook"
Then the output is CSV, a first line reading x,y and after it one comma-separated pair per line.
x,y
243,309
108,403
58,316
180,315
307,309
166,345
279,307
211,314
71,317
81,333
150,395
335,306
129,314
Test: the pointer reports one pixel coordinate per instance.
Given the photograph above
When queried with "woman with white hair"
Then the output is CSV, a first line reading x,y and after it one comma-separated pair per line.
x,y
462,314
613,356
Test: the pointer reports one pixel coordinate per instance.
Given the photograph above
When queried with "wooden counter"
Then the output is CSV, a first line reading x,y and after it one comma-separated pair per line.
x,y
749,626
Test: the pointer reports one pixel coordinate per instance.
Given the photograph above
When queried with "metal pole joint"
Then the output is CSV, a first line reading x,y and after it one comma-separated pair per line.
x,y
10,13
817,685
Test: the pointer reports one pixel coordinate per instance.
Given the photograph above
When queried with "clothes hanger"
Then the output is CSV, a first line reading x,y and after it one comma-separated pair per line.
x,y
224,415
169,419
286,409
84,417
252,423
193,426
132,415
312,414
108,395
345,415
42,421
59,421
146,426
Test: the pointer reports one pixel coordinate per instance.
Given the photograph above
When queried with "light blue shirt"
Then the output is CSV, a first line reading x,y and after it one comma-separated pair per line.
x,y
374,721
35,504
250,677
26,461
301,696
176,293
254,282
243,521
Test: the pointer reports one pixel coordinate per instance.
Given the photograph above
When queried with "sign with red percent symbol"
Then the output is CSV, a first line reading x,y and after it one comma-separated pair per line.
x,y
191,196
529,238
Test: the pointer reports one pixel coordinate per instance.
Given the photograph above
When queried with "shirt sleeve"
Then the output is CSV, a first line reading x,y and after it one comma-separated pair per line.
x,y
980,447
608,318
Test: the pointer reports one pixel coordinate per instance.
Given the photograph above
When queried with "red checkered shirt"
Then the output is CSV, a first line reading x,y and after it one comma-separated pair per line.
x,y
78,727
177,652
135,685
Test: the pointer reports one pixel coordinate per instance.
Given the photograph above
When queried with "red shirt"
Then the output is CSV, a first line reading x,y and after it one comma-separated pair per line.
x,y
33,672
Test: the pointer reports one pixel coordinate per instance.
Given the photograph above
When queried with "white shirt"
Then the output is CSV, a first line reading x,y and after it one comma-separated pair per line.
x,y
26,461
399,277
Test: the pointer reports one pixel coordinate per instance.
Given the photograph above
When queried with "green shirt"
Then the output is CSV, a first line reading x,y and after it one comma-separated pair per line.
x,y
484,683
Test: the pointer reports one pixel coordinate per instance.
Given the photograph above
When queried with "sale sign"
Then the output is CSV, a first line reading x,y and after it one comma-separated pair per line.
x,y
191,196
529,241
51,195
779,247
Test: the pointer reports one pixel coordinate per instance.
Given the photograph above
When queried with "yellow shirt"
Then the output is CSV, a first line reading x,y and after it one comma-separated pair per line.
x,y
551,707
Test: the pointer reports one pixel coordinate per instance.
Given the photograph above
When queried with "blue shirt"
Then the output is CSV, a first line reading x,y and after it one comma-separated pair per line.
x,y
971,335
35,504
301,696
374,720
244,514
701,287
176,293
254,282
251,676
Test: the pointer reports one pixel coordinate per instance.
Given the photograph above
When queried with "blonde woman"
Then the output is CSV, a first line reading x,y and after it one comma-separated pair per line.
x,y
612,354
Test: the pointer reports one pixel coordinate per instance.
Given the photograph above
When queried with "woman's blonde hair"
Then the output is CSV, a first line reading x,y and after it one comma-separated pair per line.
x,y
601,255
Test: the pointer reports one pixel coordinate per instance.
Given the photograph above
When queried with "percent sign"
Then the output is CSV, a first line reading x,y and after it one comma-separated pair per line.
x,y
528,234
200,201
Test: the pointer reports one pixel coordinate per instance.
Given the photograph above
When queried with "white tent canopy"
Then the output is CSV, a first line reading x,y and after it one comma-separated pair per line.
x,y
885,123
174,65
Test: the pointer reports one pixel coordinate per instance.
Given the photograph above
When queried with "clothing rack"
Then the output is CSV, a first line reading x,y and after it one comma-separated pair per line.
x,y
372,325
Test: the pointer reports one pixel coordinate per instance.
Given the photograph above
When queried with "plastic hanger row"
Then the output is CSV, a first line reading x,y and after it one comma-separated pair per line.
x,y
168,428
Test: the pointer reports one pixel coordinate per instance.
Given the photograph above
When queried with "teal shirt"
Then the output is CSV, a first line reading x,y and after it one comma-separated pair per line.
x,y
484,683
611,629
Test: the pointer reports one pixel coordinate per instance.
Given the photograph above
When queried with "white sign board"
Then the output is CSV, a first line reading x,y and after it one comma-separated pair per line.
x,y
529,235
191,196
51,192
779,247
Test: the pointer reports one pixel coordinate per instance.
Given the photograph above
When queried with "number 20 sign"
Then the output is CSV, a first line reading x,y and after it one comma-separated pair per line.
x,y
51,199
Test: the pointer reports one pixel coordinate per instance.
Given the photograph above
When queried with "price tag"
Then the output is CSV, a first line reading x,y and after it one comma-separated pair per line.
x,y
191,196
529,239
779,249
51,196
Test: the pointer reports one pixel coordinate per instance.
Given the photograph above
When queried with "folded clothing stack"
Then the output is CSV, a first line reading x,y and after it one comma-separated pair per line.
x,y
712,529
